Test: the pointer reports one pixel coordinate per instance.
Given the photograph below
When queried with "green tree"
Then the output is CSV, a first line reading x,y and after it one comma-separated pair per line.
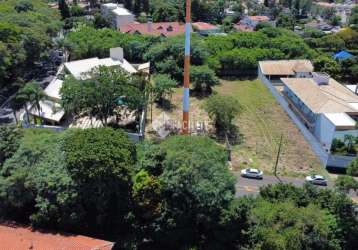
x,y
163,87
10,138
286,21
338,204
352,169
197,188
101,21
100,161
222,110
285,226
326,64
100,95
31,93
203,78
346,183
353,19
23,6
64,9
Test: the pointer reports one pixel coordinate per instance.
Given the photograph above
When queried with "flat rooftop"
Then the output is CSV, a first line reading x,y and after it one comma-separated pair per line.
x,y
285,67
341,120
327,98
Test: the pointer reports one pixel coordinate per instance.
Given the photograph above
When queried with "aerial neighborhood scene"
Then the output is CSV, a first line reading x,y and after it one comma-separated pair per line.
x,y
178,124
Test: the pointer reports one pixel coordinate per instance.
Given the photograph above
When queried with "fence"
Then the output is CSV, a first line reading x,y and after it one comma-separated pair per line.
x,y
314,143
135,137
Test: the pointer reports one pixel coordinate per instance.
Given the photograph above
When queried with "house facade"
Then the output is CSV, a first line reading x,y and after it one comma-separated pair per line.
x,y
325,109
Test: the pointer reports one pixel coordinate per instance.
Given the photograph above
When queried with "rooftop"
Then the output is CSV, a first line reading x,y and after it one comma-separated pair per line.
x,y
285,67
117,9
81,68
155,29
205,26
259,18
341,120
17,237
53,89
49,110
342,55
326,98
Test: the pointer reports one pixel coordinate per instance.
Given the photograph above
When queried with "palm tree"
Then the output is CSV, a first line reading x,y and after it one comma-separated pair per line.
x,y
16,104
32,93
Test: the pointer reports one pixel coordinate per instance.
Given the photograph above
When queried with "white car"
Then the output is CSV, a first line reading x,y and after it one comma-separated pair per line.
x,y
252,173
316,180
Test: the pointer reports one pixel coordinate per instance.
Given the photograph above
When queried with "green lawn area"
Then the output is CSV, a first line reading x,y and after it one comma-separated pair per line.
x,y
261,123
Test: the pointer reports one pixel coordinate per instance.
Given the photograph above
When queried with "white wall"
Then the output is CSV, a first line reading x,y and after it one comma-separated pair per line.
x,y
324,131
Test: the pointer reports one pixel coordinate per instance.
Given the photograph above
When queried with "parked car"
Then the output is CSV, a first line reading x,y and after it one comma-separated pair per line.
x,y
316,180
252,173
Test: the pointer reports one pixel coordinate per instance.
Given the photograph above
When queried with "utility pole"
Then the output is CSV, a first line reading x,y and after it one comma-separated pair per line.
x,y
185,125
278,155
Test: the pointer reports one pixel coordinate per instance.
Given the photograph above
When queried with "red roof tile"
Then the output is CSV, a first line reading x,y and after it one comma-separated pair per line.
x,y
13,237
243,27
204,26
155,29
259,18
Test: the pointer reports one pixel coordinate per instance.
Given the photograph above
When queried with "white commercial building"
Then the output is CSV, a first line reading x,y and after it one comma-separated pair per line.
x,y
119,15
325,108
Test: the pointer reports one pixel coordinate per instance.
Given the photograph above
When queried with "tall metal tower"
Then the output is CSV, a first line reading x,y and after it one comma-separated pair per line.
x,y
185,125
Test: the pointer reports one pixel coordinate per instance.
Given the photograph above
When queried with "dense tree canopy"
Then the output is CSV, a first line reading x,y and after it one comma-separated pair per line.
x,y
26,28
239,53
88,42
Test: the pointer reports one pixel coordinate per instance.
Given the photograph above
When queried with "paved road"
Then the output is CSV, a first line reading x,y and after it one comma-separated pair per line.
x,y
246,186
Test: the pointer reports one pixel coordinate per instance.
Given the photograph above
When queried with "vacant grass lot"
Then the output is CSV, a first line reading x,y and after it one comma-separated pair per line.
x,y
261,123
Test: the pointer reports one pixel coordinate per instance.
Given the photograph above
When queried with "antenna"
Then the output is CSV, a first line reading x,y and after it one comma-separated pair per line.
x,y
185,125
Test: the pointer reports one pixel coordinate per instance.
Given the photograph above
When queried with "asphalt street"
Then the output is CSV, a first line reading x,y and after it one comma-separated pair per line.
x,y
246,186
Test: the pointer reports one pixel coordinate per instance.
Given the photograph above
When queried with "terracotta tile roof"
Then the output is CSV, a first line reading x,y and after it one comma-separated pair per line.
x,y
155,29
243,27
14,237
204,26
259,18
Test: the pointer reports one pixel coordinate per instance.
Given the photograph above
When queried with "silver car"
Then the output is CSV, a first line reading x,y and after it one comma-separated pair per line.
x,y
252,173
316,180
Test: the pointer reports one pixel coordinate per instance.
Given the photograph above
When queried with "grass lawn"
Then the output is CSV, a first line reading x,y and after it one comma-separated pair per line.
x,y
262,122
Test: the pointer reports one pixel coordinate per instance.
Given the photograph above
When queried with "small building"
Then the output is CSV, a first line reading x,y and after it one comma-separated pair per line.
x,y
243,28
165,29
250,22
119,15
20,237
206,29
342,55
275,70
50,109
